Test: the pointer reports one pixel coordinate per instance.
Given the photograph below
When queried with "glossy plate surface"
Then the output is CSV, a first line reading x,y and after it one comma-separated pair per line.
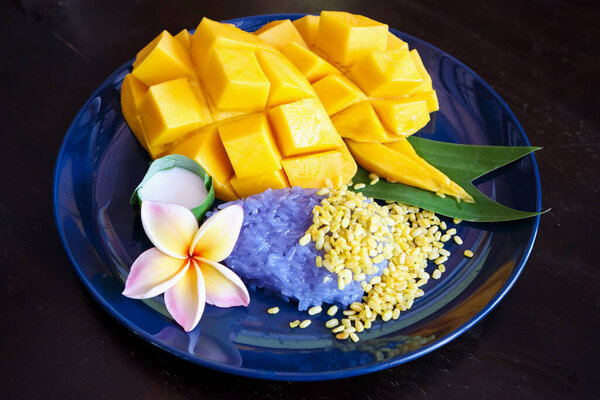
x,y
100,164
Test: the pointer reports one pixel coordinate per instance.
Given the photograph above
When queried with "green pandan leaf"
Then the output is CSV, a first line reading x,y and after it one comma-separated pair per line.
x,y
172,188
462,163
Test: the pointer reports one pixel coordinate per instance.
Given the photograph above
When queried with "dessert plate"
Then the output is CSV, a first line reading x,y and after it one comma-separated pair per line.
x,y
100,163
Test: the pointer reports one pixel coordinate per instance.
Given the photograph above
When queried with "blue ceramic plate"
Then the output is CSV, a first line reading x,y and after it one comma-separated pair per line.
x,y
100,163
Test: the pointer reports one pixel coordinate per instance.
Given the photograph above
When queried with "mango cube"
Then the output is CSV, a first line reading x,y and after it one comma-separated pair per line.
x,y
185,38
303,127
235,81
245,187
162,60
308,26
346,38
387,74
308,63
280,33
212,34
395,43
361,123
430,98
324,169
132,93
402,116
250,146
337,92
426,85
287,83
169,110
206,148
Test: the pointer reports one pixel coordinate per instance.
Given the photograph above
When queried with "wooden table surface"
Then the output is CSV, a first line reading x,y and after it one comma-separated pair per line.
x,y
539,343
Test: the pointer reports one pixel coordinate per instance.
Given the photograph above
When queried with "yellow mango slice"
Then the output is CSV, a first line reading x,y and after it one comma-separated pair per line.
x,y
185,38
303,127
430,98
280,33
287,83
212,34
397,166
250,146
337,92
426,85
361,123
132,93
235,81
403,147
203,107
308,26
346,38
395,43
162,60
324,169
308,63
245,187
206,148
387,74
169,110
402,116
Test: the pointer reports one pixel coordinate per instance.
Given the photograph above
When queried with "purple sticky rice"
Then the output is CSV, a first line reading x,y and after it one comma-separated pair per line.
x,y
268,255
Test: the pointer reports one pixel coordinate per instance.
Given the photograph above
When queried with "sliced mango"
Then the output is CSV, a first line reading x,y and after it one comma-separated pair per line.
x,y
287,83
396,163
188,92
303,127
308,26
169,110
250,146
308,63
235,81
280,33
403,116
337,92
388,73
346,38
162,60
361,123
335,168
245,187
206,148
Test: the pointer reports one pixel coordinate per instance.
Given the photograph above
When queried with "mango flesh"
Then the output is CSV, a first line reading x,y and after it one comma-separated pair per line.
x,y
235,104
397,162
267,109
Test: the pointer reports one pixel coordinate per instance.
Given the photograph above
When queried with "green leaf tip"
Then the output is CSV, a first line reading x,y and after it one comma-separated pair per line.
x,y
462,163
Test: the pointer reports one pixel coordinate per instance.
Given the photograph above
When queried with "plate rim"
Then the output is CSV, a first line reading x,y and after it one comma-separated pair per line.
x,y
302,376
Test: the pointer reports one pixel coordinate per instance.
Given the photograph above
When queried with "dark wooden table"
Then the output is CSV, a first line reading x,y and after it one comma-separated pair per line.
x,y
540,342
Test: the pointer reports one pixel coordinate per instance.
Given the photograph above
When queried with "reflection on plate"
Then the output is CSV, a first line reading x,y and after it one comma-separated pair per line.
x,y
100,164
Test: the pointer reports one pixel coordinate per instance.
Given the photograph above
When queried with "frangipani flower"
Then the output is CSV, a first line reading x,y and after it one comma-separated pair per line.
x,y
184,265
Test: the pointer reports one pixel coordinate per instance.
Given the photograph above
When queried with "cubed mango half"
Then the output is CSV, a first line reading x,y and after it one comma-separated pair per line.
x,y
337,93
308,26
287,83
403,116
361,123
308,63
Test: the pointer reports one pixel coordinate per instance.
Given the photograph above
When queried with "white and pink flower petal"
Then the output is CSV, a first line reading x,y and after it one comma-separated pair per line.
x,y
152,273
223,287
217,236
170,227
185,301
